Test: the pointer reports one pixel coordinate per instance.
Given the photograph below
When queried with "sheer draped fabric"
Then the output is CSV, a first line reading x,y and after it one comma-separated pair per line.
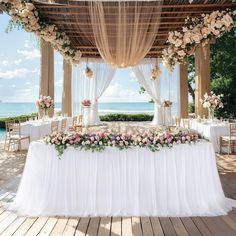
x,y
92,89
166,87
125,39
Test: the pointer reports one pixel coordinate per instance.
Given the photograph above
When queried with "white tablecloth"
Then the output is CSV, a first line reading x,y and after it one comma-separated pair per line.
x,y
37,129
211,131
182,181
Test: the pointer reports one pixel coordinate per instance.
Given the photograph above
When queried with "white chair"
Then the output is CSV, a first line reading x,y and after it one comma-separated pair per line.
x,y
13,135
230,140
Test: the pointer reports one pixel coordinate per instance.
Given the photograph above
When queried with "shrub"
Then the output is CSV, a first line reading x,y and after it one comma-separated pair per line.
x,y
17,118
126,117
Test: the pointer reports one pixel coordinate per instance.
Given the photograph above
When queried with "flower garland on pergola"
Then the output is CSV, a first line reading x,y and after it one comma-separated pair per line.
x,y
24,13
182,44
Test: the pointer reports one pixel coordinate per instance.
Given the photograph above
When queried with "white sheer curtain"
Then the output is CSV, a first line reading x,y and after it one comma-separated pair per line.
x,y
166,87
93,88
124,32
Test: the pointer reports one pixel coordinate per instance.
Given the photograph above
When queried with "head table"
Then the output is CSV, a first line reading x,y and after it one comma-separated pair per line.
x,y
178,181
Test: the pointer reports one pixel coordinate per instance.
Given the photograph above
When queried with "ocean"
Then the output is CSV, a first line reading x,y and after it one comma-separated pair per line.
x,y
15,109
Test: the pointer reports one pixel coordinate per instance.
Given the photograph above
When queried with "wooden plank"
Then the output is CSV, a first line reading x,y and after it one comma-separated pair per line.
x,y
59,227
126,226
167,226
4,215
104,226
82,226
201,226
218,227
37,226
136,226
178,226
70,227
190,226
7,221
230,222
93,226
14,226
48,227
146,226
24,227
156,226
116,226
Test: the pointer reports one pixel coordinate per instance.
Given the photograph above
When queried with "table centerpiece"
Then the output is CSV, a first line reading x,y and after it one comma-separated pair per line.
x,y
212,102
44,103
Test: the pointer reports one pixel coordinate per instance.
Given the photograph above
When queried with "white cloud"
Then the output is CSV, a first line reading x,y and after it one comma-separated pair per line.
x,y
17,73
29,54
116,92
9,63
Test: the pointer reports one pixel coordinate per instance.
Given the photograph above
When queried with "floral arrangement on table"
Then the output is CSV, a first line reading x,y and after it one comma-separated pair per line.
x,y
86,103
99,141
212,102
155,73
166,103
88,73
44,103
25,14
182,44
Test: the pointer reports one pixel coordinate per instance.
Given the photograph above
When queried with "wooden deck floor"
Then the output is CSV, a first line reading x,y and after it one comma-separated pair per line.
x,y
11,224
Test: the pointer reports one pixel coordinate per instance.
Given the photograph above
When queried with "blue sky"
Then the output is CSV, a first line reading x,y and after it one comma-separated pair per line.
x,y
20,71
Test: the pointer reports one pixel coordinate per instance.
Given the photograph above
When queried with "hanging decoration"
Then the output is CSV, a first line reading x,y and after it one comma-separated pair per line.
x,y
88,72
25,14
182,44
156,71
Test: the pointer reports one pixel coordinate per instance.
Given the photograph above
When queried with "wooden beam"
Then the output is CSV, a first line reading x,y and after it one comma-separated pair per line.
x,y
147,5
66,91
47,72
202,77
183,70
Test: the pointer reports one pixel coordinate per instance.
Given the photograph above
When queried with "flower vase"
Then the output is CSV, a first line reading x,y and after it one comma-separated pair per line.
x,y
45,114
211,114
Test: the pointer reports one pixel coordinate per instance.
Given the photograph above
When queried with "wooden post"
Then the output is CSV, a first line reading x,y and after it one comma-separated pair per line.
x,y
183,90
47,72
66,92
202,77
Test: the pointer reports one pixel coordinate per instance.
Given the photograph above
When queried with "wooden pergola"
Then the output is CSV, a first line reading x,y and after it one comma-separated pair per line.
x,y
72,17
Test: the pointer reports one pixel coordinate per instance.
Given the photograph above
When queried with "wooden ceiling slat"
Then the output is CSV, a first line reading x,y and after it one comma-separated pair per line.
x,y
73,19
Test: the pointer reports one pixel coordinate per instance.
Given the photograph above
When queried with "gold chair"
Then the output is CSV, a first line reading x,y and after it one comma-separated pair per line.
x,y
13,135
79,125
229,141
186,123
63,124
54,126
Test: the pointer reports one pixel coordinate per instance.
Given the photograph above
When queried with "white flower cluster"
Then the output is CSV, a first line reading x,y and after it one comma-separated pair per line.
x,y
155,73
197,31
25,13
212,101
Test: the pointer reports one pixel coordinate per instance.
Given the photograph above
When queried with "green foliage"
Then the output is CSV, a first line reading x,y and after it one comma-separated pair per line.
x,y
17,118
223,72
126,117
191,107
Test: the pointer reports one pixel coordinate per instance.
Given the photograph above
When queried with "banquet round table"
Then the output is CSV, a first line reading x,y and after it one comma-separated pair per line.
x,y
178,181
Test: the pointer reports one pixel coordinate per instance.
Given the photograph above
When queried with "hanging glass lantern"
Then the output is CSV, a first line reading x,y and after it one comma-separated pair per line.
x,y
88,73
156,72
